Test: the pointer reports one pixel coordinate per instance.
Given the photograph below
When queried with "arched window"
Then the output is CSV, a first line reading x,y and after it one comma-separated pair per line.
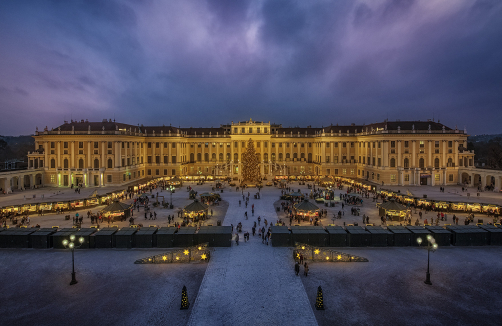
x,y
273,157
192,157
206,157
96,163
65,163
53,163
302,156
288,156
213,157
436,163
310,157
450,162
406,163
421,163
295,156
280,157
199,157
110,163
258,157
236,157
265,157
392,162
221,157
228,156
81,164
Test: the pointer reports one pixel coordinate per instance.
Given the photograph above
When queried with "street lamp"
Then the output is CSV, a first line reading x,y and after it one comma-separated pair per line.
x,y
171,190
431,246
71,245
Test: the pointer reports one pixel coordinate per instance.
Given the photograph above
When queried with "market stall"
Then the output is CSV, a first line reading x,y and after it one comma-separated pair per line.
x,y
116,211
306,209
393,209
195,211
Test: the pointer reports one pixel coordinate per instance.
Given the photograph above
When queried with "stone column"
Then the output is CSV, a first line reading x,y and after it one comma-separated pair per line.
x,y
117,154
103,154
414,154
455,150
339,152
399,158
443,163
162,152
385,153
72,159
89,154
429,154
46,152
59,155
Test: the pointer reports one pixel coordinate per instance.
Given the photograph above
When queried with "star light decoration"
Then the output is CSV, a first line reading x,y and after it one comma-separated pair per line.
x,y
317,251
203,256
186,252
164,258
339,257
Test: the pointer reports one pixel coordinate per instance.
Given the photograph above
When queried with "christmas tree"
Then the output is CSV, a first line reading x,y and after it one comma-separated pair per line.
x,y
319,303
250,164
184,299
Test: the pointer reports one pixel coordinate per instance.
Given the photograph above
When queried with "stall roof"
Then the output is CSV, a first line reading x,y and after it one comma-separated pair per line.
x,y
215,229
391,205
116,207
437,229
126,231
465,229
306,206
106,231
355,230
167,230
85,232
279,229
196,206
417,229
398,229
187,230
377,229
335,230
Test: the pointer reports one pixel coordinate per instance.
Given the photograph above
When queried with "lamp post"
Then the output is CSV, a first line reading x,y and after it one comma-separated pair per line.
x,y
431,246
71,245
171,190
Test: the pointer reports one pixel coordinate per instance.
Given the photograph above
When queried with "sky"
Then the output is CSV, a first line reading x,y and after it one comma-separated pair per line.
x,y
205,63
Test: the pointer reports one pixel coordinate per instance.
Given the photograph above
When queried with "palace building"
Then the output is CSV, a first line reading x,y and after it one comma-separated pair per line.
x,y
390,153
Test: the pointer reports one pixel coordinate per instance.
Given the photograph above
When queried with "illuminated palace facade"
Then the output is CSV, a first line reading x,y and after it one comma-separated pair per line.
x,y
391,153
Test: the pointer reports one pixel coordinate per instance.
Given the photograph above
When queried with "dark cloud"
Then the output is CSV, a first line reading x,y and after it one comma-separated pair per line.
x,y
292,62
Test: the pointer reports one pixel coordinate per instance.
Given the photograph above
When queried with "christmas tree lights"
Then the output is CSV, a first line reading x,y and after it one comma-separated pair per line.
x,y
250,164
184,299
319,302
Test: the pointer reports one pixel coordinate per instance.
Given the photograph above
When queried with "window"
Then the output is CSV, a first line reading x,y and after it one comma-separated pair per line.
x,y
379,161
327,159
80,144
110,163
149,145
165,171
157,172
436,163
173,159
421,163
352,171
108,178
173,145
157,159
109,144
53,178
236,157
406,177
437,177
392,143
406,143
450,143
406,162
344,145
344,171
392,162
53,163
450,177
53,144
436,144
250,130
96,144
235,130
96,163
257,130
165,144
422,145
392,178
149,172
65,163
243,130
165,159
149,160
65,144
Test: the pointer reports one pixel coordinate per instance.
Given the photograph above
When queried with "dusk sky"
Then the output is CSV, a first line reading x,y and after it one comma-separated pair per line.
x,y
206,63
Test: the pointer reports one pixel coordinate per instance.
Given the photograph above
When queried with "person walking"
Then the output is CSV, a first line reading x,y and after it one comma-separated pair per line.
x,y
301,259
306,269
236,238
297,268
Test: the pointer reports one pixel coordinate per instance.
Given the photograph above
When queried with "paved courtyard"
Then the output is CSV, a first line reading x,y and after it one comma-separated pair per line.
x,y
252,283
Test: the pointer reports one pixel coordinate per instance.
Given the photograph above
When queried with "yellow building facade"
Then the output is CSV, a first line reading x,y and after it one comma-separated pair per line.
x,y
390,153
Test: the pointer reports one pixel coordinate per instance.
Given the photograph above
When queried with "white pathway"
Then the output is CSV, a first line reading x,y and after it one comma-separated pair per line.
x,y
251,284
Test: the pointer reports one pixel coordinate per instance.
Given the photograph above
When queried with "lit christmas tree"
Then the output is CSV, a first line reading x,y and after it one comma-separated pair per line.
x,y
319,302
184,299
250,165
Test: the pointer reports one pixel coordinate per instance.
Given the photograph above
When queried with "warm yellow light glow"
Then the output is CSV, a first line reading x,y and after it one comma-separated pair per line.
x,y
177,258
65,242
200,248
339,257
72,237
317,251
203,256
186,252
164,258
303,247
327,258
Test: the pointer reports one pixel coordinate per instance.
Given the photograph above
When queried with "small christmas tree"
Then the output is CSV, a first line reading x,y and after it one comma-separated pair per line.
x,y
319,302
250,164
184,299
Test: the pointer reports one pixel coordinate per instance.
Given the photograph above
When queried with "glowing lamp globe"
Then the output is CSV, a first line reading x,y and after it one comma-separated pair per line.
x,y
429,237
419,240
71,245
72,237
65,242
81,239
435,246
